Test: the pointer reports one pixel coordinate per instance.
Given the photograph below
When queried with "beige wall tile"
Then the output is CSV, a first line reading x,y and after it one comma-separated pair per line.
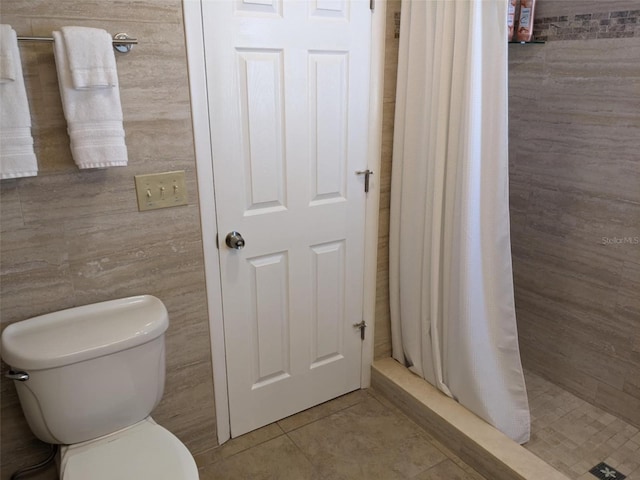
x,y
382,340
574,138
10,208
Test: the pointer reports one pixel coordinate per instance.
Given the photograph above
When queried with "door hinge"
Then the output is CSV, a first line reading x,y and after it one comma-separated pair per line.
x,y
372,5
362,325
217,242
367,173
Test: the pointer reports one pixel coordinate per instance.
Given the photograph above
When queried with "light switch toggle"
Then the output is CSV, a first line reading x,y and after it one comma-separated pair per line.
x,y
160,190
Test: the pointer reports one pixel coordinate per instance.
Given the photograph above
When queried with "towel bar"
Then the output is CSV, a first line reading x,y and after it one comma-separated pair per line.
x,y
121,41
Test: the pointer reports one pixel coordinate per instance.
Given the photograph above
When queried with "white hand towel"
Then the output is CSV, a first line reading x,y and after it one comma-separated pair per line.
x,y
17,158
94,116
91,59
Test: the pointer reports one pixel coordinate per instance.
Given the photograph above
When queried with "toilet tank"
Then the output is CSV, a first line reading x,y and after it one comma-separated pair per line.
x,y
92,370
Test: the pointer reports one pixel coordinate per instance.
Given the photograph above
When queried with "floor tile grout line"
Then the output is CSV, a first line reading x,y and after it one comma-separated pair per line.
x,y
304,454
261,442
446,459
325,416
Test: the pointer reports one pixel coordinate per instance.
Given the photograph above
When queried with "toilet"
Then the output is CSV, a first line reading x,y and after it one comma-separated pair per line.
x,y
88,378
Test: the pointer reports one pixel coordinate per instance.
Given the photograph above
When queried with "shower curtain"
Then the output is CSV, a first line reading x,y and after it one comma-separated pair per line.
x,y
452,308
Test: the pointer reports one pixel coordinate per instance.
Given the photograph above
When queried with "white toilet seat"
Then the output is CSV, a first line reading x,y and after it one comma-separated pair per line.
x,y
143,451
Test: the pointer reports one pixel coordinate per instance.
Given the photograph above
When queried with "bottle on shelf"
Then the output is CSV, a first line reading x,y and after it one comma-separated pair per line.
x,y
525,23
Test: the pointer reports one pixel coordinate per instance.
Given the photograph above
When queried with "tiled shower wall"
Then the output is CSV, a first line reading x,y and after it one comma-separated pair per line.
x,y
383,323
71,238
575,200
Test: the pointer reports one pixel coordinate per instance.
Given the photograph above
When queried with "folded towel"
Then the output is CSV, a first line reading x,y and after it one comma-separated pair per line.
x,y
94,116
17,158
91,59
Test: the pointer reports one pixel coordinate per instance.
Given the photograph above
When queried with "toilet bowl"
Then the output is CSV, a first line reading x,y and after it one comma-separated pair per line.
x,y
88,378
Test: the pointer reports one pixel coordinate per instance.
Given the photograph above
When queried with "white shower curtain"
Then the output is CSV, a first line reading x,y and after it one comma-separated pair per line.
x,y
452,308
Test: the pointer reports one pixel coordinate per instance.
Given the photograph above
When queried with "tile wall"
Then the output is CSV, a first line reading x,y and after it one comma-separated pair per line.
x,y
382,339
70,238
575,207
575,204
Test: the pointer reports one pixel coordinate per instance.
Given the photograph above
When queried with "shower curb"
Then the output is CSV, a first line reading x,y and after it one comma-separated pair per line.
x,y
481,446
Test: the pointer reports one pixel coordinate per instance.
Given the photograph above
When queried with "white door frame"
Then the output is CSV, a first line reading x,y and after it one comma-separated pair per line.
x,y
193,21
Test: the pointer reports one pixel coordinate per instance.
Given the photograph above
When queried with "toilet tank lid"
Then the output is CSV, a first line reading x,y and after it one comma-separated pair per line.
x,y
81,333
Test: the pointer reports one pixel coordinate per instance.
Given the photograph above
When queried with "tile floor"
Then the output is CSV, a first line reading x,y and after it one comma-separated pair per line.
x,y
362,436
573,435
357,436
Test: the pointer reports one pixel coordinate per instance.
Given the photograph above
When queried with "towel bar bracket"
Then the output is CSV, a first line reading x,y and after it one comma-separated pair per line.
x,y
124,47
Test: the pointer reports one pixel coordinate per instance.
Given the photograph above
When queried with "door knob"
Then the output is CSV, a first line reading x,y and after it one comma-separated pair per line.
x,y
234,240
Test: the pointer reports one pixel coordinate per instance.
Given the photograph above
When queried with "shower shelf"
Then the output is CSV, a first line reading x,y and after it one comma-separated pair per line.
x,y
526,43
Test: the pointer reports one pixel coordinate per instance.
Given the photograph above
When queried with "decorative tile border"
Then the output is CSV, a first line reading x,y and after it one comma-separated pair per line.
x,y
587,26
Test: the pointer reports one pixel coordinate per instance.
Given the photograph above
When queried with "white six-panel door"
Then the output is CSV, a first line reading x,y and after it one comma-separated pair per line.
x,y
288,100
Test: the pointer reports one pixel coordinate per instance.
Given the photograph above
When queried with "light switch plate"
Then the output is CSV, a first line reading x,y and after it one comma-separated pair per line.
x,y
160,190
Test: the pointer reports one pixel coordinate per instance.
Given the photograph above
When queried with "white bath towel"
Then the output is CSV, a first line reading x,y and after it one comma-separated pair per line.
x,y
94,115
91,59
17,158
